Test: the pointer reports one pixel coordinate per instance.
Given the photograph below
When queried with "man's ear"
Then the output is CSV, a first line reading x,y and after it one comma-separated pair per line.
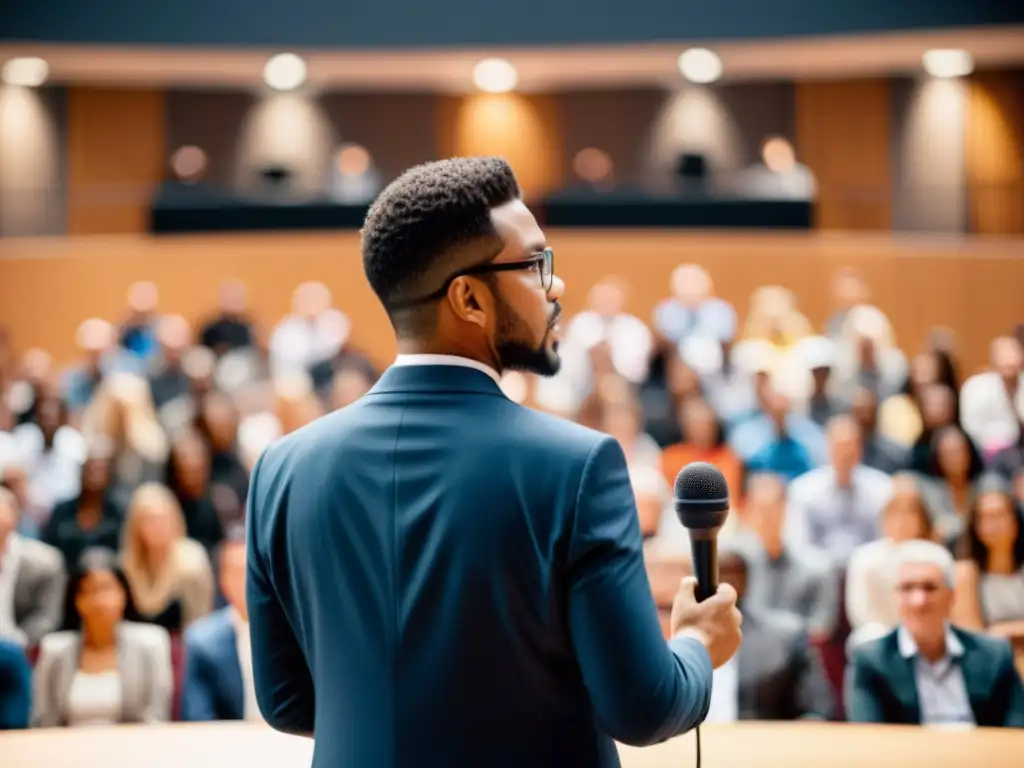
x,y
469,301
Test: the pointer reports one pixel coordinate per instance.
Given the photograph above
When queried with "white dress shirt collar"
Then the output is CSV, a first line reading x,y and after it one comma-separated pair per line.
x,y
463,362
908,646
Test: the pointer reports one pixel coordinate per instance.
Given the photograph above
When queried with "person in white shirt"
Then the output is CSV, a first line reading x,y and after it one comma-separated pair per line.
x,y
992,403
836,508
624,338
217,683
314,333
870,578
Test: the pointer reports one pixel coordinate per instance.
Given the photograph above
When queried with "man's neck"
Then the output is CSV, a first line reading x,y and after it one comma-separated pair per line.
x,y
844,477
1011,383
932,649
452,349
772,547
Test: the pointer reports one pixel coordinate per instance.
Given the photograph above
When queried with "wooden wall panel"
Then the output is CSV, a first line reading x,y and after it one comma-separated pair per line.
x,y
844,134
995,153
524,129
116,157
969,285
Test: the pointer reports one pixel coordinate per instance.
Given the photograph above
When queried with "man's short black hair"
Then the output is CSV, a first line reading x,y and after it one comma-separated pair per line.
x,y
421,216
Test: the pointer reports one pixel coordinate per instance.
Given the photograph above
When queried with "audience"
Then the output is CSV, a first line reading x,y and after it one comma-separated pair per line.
x,y
777,674
168,574
217,683
835,508
953,676
92,519
104,670
842,463
32,581
990,574
870,608
788,576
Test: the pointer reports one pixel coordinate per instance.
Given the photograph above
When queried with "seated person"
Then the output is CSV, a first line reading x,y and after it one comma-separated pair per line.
x,y
217,683
34,573
104,670
15,687
926,671
777,674
169,574
793,578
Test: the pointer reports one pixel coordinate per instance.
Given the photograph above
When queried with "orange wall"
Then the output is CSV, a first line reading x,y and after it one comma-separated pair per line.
x,y
972,286
995,153
524,129
844,133
116,156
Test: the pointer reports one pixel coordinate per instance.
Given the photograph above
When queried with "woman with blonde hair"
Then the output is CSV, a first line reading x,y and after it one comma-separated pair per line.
x,y
169,574
122,413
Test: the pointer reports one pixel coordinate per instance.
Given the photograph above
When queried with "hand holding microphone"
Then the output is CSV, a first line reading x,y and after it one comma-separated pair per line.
x,y
701,605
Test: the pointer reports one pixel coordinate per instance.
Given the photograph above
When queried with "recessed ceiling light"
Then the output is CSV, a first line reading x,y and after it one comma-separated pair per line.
x,y
699,65
26,71
285,72
495,76
948,62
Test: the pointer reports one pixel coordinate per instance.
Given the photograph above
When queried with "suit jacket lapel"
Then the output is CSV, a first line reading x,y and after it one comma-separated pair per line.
x,y
903,682
977,682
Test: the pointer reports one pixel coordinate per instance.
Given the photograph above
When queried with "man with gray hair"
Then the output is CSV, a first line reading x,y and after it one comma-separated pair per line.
x,y
926,671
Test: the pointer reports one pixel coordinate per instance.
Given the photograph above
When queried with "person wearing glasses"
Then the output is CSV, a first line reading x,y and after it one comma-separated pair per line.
x,y
437,575
927,671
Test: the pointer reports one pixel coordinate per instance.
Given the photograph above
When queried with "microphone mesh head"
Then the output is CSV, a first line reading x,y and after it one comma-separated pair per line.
x,y
700,481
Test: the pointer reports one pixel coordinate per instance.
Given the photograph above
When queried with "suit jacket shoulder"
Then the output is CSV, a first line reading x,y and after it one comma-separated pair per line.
x,y
542,432
57,644
41,557
145,636
876,654
985,654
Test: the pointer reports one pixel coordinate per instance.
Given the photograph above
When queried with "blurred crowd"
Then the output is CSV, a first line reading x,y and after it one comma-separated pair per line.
x,y
873,489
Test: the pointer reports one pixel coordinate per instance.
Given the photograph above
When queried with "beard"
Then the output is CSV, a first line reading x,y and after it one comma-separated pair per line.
x,y
515,354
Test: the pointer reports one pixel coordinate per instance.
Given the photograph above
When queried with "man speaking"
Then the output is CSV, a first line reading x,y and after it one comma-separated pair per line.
x,y
439,576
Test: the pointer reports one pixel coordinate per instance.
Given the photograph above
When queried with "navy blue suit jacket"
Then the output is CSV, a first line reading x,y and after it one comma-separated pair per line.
x,y
211,686
438,576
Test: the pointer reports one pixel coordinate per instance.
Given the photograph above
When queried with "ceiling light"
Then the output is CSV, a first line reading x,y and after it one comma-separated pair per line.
x,y
28,71
285,72
947,62
699,65
495,76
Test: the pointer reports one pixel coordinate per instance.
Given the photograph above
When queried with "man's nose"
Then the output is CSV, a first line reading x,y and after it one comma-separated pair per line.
x,y
557,288
917,598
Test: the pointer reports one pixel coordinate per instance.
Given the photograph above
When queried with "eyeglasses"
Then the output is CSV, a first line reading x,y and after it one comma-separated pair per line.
x,y
543,262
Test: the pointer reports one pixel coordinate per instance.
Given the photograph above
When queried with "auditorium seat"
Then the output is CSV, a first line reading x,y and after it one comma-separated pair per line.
x,y
178,670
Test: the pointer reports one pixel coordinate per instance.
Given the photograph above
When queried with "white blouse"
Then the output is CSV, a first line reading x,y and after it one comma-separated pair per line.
x,y
94,699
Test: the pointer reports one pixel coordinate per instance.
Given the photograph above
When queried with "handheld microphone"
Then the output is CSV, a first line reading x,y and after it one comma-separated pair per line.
x,y
702,504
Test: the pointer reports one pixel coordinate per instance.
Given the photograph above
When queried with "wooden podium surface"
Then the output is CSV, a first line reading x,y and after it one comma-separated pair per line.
x,y
746,745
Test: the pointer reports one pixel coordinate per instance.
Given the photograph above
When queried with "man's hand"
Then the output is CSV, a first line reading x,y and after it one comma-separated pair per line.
x,y
715,622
